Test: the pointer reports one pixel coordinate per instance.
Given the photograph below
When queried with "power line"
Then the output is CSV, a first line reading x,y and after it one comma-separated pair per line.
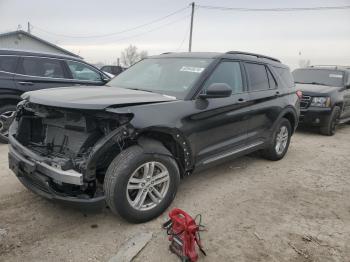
x,y
154,29
281,9
114,33
183,40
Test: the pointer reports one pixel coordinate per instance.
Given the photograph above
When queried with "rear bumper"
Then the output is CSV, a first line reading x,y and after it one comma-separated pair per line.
x,y
38,177
313,116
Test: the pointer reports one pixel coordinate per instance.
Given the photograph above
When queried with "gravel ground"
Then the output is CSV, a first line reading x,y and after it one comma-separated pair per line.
x,y
297,209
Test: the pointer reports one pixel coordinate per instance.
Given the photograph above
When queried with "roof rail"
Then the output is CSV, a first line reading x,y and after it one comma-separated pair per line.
x,y
252,54
335,66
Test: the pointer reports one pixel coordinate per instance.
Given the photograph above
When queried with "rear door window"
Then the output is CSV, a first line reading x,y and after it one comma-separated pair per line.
x,y
8,63
42,67
257,77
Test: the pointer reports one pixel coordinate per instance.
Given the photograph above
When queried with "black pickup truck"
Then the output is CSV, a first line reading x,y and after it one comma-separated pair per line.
x,y
326,96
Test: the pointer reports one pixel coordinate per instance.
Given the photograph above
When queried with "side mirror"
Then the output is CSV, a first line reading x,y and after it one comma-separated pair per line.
x,y
217,90
347,86
105,78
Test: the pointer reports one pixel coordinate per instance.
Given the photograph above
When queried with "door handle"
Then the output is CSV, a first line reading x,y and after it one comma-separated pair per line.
x,y
240,100
277,93
26,83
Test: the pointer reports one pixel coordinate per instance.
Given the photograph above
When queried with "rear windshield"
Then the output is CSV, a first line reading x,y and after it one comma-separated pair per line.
x,y
319,77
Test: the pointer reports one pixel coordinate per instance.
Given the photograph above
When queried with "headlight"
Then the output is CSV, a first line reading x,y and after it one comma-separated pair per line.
x,y
321,101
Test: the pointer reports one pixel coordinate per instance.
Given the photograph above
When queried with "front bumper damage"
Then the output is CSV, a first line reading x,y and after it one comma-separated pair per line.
x,y
36,175
43,175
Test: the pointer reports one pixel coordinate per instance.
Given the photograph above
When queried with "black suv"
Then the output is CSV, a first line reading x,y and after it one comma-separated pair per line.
x,y
112,69
22,71
326,96
129,143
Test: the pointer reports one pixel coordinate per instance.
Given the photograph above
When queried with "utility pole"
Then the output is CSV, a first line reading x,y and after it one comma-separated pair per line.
x,y
191,28
28,28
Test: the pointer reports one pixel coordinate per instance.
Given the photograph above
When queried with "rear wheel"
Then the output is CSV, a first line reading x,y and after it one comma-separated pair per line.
x,y
331,122
140,186
7,114
280,141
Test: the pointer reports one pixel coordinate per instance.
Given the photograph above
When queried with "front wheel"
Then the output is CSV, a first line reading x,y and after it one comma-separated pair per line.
x,y
7,114
279,145
331,122
140,186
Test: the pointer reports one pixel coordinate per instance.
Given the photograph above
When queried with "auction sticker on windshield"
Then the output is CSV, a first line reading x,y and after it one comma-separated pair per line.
x,y
192,69
335,76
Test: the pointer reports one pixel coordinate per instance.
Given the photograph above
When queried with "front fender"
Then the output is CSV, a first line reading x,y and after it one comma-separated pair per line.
x,y
152,146
114,138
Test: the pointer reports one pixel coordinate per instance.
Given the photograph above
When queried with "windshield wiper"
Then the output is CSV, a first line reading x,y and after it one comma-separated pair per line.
x,y
311,83
138,89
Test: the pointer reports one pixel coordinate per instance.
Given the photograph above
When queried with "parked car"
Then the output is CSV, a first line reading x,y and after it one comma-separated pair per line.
x,y
112,69
162,119
22,71
326,96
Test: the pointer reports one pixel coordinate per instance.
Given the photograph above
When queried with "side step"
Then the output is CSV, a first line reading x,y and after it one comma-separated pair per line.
x,y
344,120
232,152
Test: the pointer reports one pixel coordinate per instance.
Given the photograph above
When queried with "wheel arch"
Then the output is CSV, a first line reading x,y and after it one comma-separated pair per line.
x,y
163,141
340,104
169,142
290,114
9,99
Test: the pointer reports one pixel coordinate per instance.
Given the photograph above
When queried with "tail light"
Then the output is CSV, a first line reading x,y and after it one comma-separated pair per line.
x,y
299,94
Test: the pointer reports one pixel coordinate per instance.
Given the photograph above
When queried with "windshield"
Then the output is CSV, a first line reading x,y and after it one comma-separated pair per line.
x,y
170,76
319,76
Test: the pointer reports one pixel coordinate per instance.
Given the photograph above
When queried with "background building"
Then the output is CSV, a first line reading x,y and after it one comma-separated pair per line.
x,y
25,41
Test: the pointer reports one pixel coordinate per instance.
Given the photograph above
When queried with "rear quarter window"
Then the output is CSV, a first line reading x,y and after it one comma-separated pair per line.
x,y
285,76
8,63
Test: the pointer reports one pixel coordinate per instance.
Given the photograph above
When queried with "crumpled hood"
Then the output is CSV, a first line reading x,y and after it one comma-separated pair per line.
x,y
316,89
92,97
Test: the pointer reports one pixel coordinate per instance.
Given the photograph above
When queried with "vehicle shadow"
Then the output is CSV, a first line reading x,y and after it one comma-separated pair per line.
x,y
316,131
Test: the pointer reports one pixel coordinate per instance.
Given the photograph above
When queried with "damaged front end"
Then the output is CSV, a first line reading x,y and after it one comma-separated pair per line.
x,y
62,153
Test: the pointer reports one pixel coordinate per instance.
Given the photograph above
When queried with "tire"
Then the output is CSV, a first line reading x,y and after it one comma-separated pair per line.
x,y
331,122
271,151
3,127
116,182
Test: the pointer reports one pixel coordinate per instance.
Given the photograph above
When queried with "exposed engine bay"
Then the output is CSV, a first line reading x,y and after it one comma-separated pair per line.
x,y
67,139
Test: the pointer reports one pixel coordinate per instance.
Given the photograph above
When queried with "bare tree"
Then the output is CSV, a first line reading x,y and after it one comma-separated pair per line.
x,y
304,63
130,56
143,54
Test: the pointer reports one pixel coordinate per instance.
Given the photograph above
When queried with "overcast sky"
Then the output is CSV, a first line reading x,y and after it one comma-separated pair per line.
x,y
321,36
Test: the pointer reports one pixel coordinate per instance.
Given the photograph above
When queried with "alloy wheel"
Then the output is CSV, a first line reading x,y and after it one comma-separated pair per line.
x,y
148,185
5,122
334,123
281,140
